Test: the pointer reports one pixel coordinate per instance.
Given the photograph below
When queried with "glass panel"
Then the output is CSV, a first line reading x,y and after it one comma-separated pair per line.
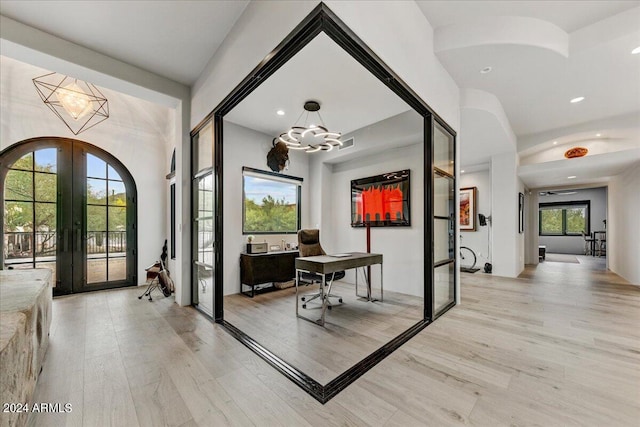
x,y
51,265
117,243
205,241
576,220
205,196
25,162
17,247
18,185
96,270
444,277
96,218
272,206
96,168
96,191
117,218
551,221
113,175
46,160
96,242
205,288
205,147
442,240
117,268
117,193
45,230
18,216
442,149
443,198
46,187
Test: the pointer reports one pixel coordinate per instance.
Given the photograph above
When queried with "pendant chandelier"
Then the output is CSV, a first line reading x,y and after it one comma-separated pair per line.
x,y
72,100
310,136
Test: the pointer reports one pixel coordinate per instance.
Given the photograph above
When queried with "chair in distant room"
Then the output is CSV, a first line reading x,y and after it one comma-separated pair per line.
x,y
601,244
309,245
589,243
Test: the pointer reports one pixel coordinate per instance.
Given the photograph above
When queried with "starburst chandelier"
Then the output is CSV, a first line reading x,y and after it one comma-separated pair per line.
x,y
72,100
310,136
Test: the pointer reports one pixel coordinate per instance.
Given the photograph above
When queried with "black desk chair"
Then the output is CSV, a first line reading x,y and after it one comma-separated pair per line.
x,y
589,243
309,245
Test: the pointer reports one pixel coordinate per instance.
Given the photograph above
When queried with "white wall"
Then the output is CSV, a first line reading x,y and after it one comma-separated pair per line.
x,y
246,147
479,240
135,130
597,213
623,225
507,246
402,247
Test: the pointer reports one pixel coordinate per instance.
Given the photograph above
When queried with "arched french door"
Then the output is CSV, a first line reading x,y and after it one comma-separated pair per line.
x,y
71,207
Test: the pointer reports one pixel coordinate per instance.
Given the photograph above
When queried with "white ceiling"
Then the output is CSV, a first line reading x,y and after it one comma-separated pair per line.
x,y
578,48
542,55
569,15
350,97
174,39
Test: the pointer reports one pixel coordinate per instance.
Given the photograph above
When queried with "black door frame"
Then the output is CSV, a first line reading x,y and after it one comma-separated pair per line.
x,y
322,19
70,249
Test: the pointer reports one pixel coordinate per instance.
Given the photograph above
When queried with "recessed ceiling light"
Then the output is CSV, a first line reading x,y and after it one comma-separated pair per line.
x,y
571,177
280,112
486,70
598,134
462,171
636,51
555,142
578,99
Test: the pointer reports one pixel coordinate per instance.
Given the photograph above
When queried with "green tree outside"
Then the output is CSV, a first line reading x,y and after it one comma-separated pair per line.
x,y
274,216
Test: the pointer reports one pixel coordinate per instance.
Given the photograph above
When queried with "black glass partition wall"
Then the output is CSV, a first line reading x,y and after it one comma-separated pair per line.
x,y
203,245
444,219
322,20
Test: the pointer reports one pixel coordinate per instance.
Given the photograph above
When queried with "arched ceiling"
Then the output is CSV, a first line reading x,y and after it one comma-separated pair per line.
x,y
542,55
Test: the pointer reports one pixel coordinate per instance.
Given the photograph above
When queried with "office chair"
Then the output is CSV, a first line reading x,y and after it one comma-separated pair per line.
x,y
589,243
309,245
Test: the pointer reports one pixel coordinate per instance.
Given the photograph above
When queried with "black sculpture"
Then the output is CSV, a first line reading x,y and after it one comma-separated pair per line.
x,y
278,156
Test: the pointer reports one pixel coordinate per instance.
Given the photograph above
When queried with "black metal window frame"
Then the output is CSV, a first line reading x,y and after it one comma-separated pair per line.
x,y
564,206
323,20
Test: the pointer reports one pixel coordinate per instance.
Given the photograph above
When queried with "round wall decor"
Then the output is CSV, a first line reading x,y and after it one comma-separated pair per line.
x,y
576,152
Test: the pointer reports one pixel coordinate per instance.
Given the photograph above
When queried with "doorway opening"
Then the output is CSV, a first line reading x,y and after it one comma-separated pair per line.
x,y
71,207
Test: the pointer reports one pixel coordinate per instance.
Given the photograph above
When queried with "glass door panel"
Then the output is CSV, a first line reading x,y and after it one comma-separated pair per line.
x,y
203,224
30,212
106,223
444,226
444,285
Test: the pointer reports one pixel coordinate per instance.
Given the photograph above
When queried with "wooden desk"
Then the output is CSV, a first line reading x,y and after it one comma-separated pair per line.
x,y
257,269
327,264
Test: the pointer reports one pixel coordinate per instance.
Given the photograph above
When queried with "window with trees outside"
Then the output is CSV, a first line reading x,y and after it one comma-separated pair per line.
x,y
271,202
564,218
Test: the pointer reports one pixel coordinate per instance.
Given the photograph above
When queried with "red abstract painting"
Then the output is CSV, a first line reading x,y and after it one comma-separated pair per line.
x,y
382,200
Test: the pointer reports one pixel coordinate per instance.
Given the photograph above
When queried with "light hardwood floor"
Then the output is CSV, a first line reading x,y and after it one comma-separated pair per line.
x,y
353,329
560,348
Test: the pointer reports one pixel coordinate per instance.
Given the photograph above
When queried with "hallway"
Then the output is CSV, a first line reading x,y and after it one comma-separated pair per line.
x,y
559,348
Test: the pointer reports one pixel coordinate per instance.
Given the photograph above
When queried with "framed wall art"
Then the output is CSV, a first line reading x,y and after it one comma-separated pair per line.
x,y
468,209
381,200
